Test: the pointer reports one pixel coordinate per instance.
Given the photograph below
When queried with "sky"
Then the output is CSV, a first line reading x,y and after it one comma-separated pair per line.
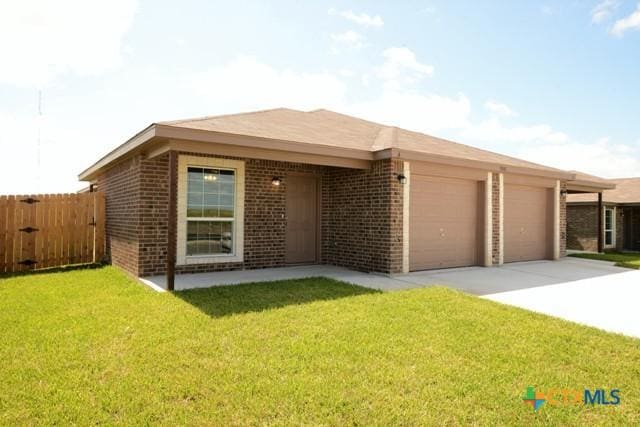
x,y
553,82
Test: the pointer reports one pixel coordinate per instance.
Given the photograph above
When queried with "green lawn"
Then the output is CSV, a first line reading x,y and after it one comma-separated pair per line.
x,y
93,346
628,260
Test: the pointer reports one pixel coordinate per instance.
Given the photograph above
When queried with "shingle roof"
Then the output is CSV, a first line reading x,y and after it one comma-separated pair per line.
x,y
334,129
627,191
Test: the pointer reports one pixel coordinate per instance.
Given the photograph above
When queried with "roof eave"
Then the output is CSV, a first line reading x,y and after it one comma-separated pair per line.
x,y
589,186
161,132
477,164
132,144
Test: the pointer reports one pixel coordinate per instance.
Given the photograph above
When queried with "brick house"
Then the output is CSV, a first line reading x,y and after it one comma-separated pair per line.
x,y
281,187
606,223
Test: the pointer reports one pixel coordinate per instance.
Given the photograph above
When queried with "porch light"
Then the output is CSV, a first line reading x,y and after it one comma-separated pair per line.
x,y
276,181
402,179
563,192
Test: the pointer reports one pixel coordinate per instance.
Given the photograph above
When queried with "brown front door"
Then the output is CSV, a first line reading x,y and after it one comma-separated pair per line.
x,y
302,219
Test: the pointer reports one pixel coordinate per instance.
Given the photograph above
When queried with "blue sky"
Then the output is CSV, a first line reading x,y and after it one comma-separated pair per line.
x,y
554,82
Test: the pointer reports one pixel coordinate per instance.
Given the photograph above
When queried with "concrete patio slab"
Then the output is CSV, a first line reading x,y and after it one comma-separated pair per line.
x,y
206,280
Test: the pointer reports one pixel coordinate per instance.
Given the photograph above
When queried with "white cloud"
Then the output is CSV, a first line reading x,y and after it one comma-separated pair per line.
x,y
494,131
428,10
601,158
40,39
361,19
349,38
546,9
246,83
631,22
401,66
603,11
499,108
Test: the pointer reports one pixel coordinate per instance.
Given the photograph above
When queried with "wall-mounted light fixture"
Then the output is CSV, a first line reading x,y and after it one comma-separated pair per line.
x,y
276,180
563,192
402,179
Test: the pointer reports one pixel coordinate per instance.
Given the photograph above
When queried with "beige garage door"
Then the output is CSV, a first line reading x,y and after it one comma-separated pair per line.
x,y
525,223
443,223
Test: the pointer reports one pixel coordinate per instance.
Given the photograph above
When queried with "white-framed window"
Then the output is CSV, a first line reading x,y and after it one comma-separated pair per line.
x,y
610,226
210,210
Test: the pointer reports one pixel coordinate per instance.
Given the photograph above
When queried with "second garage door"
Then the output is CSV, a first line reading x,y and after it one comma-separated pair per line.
x,y
443,223
525,223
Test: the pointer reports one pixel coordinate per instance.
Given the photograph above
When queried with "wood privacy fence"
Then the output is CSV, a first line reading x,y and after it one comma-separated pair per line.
x,y
50,230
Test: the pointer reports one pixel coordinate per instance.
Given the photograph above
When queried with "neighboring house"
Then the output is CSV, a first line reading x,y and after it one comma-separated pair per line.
x,y
282,187
618,218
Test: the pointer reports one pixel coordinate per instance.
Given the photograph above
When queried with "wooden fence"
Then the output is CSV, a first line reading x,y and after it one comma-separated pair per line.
x,y
50,230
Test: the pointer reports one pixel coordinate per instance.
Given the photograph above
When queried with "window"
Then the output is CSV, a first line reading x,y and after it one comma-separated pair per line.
x,y
210,211
609,226
210,226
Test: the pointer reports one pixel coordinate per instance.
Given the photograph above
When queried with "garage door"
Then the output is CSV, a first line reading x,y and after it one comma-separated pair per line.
x,y
443,223
525,223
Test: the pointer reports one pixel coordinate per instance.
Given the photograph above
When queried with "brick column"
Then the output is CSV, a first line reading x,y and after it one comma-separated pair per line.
x,y
497,220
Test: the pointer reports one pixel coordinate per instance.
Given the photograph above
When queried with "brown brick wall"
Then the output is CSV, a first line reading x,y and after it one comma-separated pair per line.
x,y
121,185
633,233
620,228
582,227
153,225
563,220
495,206
362,217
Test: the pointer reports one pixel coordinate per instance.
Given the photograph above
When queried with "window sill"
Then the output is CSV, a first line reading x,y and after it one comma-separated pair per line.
x,y
210,259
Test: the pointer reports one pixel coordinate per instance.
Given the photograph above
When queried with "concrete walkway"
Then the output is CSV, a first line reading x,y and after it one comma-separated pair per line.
x,y
206,280
474,280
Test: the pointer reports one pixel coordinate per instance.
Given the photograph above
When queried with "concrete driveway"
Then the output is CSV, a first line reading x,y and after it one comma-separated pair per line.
x,y
593,293
608,302
513,276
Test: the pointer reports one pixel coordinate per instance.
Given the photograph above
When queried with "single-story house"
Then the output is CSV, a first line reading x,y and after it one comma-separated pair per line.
x,y
283,187
609,221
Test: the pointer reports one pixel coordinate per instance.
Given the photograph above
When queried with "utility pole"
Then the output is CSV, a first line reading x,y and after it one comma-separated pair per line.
x,y
39,174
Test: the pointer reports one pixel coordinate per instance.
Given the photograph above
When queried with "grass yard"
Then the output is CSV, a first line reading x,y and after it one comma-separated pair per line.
x,y
628,260
93,346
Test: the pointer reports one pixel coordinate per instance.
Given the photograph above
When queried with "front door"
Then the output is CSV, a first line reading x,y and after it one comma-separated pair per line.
x,y
302,219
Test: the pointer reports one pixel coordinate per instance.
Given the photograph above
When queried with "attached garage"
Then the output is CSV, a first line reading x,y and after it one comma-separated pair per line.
x,y
528,223
445,222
